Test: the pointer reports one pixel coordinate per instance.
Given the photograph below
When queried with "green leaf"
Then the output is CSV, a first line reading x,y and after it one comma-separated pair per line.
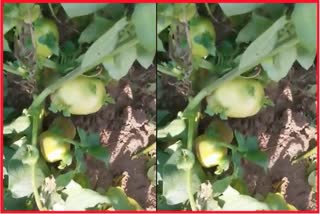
x,y
19,125
20,175
120,201
79,198
257,25
175,181
246,144
11,17
6,46
144,20
103,46
100,153
88,139
230,9
95,29
145,57
219,186
118,66
259,158
160,45
50,41
74,10
276,201
64,179
164,14
244,202
11,203
174,128
304,20
305,57
263,45
29,12
278,67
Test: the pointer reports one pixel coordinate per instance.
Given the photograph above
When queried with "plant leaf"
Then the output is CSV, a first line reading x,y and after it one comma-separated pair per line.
x,y
118,66
257,25
144,20
120,201
95,29
262,46
74,10
305,57
174,128
230,9
304,20
279,66
103,46
145,57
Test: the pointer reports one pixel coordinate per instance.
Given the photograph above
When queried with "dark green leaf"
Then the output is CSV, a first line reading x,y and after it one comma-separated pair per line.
x,y
50,41
100,153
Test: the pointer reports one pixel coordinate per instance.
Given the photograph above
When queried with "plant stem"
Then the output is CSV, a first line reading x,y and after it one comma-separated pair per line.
x,y
75,73
146,150
305,155
191,128
233,74
12,70
35,127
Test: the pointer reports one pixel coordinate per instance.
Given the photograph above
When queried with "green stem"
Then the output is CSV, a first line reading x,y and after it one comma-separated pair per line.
x,y
12,70
75,73
35,127
305,155
191,128
146,150
233,74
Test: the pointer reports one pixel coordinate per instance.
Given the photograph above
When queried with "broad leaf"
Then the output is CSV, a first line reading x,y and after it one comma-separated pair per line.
x,y
278,67
120,201
145,57
262,46
174,128
95,29
118,66
231,9
244,202
304,20
6,46
175,181
19,125
144,20
257,25
305,57
74,10
103,46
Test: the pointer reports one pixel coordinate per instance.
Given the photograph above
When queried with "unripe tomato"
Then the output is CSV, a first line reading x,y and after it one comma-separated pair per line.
x,y
208,152
80,96
45,27
201,29
52,148
64,127
185,12
238,98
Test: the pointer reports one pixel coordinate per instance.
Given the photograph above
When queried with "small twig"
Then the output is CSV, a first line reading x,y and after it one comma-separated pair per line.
x,y
53,14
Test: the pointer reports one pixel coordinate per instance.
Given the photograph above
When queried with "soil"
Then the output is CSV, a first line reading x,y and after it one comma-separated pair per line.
x,y
125,128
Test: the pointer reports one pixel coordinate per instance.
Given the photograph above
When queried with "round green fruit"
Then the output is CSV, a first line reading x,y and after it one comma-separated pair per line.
x,y
208,151
45,29
238,98
52,148
202,34
80,96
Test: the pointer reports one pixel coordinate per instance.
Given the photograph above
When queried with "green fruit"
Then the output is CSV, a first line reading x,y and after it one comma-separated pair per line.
x,y
238,98
52,148
45,28
202,34
208,152
80,96
64,127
